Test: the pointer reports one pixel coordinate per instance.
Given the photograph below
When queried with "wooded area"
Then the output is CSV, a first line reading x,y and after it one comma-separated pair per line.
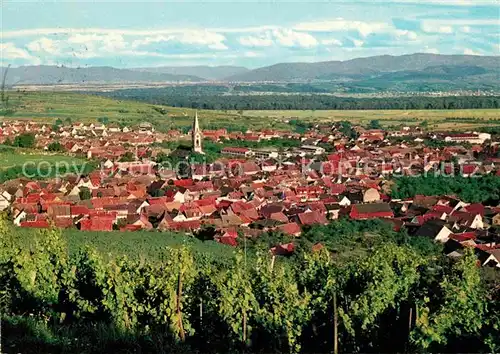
x,y
282,102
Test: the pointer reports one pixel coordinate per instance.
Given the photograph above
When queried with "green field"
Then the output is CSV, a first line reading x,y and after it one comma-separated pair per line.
x,y
134,245
18,158
16,163
50,106
143,244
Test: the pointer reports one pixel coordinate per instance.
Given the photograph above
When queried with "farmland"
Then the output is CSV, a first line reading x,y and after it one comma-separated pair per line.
x,y
17,162
13,158
134,245
51,106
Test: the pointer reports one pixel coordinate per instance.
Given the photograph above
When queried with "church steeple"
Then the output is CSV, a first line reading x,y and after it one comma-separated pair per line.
x,y
196,135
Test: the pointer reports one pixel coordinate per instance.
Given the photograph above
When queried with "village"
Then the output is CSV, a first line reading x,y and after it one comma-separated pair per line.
x,y
330,173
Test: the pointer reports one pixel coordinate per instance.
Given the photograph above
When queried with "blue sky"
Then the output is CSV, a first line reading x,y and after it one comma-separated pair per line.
x,y
248,33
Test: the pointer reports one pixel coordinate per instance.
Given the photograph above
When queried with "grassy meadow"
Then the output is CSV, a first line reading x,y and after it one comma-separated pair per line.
x,y
50,106
19,157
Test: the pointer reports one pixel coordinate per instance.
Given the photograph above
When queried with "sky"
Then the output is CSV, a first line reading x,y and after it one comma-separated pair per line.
x,y
129,34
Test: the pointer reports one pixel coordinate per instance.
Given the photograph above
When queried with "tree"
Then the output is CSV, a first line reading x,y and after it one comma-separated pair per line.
x,y
237,300
85,193
456,307
103,120
283,309
127,157
25,140
55,146
374,124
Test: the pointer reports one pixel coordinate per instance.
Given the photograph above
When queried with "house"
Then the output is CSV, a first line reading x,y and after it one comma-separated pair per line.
x,y
237,151
292,229
4,202
97,223
371,211
435,229
312,217
472,138
56,211
465,219
312,149
491,258
140,222
21,216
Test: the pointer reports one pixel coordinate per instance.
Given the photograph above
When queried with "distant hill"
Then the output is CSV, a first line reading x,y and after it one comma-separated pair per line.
x,y
415,72
371,67
53,75
205,72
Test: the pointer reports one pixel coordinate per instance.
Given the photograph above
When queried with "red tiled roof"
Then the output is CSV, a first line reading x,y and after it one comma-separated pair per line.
x,y
41,224
313,217
97,223
183,182
227,240
371,211
290,229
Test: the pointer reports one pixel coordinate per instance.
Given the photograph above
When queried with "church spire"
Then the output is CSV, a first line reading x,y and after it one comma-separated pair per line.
x,y
196,135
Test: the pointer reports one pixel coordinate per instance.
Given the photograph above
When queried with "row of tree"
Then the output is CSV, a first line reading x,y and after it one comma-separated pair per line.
x,y
390,299
284,102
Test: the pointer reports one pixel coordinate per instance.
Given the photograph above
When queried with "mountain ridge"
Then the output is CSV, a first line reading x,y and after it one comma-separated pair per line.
x,y
409,72
361,66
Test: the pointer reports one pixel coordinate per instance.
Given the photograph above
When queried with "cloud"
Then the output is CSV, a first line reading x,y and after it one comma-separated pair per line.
x,y
339,24
291,38
468,51
371,33
431,50
109,43
436,28
357,43
254,41
206,38
406,34
43,44
10,51
79,45
333,41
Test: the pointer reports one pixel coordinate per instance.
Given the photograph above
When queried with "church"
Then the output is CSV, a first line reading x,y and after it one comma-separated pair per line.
x,y
196,135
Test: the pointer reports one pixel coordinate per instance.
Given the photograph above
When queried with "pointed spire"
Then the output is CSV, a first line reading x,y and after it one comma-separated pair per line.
x,y
196,135
196,125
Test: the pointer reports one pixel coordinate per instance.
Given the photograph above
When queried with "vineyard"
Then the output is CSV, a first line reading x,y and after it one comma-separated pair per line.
x,y
390,298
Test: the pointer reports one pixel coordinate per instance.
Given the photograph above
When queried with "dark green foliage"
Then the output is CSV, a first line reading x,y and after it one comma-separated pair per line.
x,y
374,124
43,171
103,120
127,157
476,189
55,147
206,100
25,140
85,193
60,294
